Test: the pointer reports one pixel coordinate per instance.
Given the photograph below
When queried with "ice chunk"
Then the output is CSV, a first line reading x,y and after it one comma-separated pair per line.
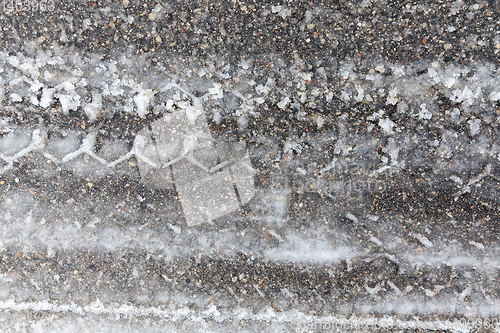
x,y
69,102
347,70
352,217
16,97
284,102
320,121
432,72
394,287
216,91
282,11
192,113
398,70
261,89
361,93
494,96
466,96
424,113
402,107
456,179
301,171
386,125
174,228
455,116
422,239
392,99
474,126
292,145
276,9
307,76
329,97
246,63
142,101
376,240
345,96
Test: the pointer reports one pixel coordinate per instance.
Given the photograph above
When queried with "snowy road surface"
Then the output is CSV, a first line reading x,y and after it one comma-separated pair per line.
x,y
149,182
